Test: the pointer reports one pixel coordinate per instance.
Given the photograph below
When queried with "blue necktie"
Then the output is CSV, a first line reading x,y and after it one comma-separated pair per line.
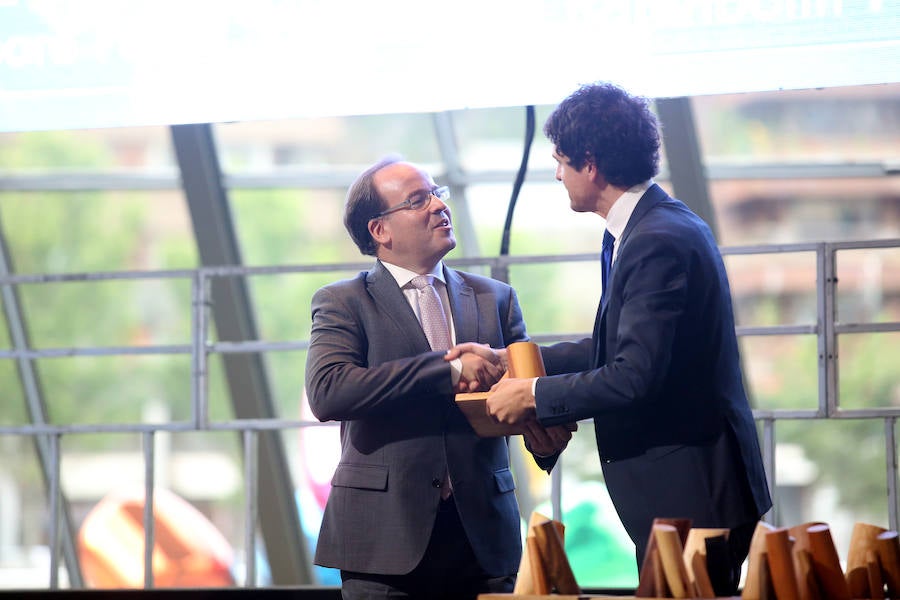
x,y
606,253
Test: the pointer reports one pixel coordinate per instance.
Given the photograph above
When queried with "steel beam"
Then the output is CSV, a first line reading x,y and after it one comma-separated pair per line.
x,y
686,171
246,377
37,413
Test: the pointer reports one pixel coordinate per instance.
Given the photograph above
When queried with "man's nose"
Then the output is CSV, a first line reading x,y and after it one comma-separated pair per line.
x,y
437,205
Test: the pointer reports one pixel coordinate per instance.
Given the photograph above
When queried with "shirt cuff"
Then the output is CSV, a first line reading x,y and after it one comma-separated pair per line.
x,y
455,370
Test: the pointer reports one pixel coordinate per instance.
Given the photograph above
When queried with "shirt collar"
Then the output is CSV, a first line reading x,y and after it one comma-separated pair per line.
x,y
620,211
404,276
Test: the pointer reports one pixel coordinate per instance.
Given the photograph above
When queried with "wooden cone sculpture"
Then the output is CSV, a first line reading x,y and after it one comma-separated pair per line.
x,y
556,564
800,535
826,564
671,555
888,550
695,559
537,576
807,584
758,578
781,564
875,576
648,582
544,568
862,545
660,588
531,573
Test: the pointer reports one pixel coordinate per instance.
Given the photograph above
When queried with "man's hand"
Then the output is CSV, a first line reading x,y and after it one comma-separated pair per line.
x,y
482,366
483,350
511,401
547,441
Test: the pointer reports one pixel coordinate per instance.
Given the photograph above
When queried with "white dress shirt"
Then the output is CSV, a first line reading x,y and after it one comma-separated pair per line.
x,y
404,278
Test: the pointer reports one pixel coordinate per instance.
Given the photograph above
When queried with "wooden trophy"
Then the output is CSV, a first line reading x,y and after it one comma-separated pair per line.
x,y
525,361
781,564
826,564
652,581
695,559
807,584
544,568
859,557
887,546
758,576
671,555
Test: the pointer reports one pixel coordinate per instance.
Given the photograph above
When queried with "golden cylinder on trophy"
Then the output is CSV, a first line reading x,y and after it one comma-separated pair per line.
x,y
525,360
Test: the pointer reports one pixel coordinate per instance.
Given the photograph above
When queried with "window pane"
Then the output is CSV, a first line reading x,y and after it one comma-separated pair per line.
x,y
285,226
12,409
198,509
116,389
25,560
868,287
494,138
65,232
830,124
813,460
326,142
146,149
867,364
773,289
794,133
770,211
542,221
780,371
557,297
112,312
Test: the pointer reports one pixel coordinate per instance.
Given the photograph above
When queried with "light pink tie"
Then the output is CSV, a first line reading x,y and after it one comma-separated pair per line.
x,y
434,323
431,313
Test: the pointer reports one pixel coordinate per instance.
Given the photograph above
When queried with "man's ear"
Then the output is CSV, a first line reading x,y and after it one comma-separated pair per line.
x,y
594,173
591,167
378,231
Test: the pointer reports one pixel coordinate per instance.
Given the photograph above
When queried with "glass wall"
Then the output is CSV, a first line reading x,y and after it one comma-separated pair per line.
x,y
784,168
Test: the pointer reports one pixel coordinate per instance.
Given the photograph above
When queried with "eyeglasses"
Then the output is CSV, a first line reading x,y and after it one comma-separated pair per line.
x,y
418,201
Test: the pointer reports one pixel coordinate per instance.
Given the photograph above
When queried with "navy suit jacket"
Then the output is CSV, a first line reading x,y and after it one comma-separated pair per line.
x,y
371,367
661,377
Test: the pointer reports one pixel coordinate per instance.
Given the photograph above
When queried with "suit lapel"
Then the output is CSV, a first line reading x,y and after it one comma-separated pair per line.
x,y
463,307
653,196
598,336
393,304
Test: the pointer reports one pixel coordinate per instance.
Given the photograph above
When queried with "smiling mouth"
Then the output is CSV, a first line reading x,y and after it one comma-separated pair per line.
x,y
443,223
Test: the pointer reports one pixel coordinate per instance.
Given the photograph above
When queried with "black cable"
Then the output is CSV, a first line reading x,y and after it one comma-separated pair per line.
x,y
520,178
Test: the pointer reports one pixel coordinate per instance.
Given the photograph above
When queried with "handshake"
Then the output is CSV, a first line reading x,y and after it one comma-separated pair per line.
x,y
482,366
494,392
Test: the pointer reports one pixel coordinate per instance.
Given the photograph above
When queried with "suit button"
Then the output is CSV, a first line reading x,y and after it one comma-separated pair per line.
x,y
436,483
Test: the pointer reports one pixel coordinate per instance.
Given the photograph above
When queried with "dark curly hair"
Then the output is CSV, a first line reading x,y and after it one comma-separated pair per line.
x,y
363,203
603,123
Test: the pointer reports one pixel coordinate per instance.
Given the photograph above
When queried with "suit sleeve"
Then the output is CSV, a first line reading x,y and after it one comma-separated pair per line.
x,y
515,332
567,357
340,383
513,321
650,296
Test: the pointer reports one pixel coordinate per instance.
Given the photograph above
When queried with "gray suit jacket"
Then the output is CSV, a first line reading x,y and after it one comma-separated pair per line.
x,y
370,367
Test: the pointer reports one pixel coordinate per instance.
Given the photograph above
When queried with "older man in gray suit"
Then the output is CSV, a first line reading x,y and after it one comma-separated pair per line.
x,y
420,506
